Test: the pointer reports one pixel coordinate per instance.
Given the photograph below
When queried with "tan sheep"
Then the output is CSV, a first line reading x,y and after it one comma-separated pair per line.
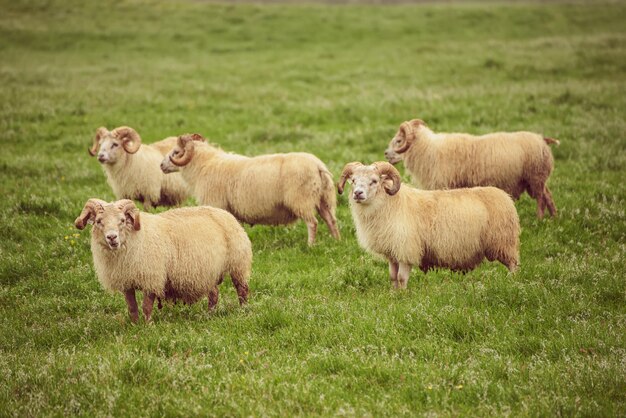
x,y
512,161
453,229
179,254
132,168
271,189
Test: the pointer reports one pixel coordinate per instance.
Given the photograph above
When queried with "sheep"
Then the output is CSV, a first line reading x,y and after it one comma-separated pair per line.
x,y
512,161
274,189
178,254
132,168
454,229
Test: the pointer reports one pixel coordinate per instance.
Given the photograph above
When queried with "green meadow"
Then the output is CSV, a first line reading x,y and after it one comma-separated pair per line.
x,y
324,334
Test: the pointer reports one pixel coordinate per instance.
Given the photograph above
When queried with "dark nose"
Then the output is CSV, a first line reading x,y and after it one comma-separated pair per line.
x,y
358,193
101,158
111,237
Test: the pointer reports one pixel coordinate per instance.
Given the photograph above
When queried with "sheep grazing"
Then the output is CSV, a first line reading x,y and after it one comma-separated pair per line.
x,y
132,168
179,254
453,229
512,161
271,189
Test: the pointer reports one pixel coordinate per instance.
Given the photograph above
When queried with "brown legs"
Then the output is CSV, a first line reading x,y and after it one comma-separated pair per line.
x,y
131,301
393,273
133,310
241,285
148,304
330,220
311,226
404,271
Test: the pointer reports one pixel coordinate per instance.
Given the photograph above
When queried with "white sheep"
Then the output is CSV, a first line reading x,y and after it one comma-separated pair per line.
x,y
132,168
269,189
179,254
453,229
512,161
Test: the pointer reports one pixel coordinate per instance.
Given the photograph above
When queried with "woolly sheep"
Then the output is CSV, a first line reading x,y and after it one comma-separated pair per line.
x,y
453,229
132,168
179,254
512,161
269,189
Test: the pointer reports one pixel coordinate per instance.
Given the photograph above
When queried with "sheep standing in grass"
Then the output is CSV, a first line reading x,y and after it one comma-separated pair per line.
x,y
454,229
512,161
132,168
179,254
269,189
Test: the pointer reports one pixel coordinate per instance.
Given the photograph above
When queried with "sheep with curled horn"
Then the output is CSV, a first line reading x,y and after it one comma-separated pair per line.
x,y
454,229
512,161
274,189
178,254
132,168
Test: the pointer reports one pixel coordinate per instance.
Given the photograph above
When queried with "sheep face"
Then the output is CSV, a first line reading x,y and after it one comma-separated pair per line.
x,y
113,222
390,155
402,141
110,150
112,146
181,154
370,181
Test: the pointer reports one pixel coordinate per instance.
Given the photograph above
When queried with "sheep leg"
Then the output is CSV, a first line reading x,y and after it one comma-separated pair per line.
x,y
148,304
548,199
131,301
241,285
311,226
536,192
330,220
214,295
404,271
393,273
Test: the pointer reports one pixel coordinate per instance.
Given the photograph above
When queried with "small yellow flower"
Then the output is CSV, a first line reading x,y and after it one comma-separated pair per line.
x,y
430,387
72,242
241,360
66,237
459,386
76,235
246,353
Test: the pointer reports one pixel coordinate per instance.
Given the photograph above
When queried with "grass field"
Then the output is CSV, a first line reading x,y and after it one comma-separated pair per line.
x,y
323,333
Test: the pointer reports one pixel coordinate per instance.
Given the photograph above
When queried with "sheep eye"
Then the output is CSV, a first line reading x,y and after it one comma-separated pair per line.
x,y
374,182
114,145
99,222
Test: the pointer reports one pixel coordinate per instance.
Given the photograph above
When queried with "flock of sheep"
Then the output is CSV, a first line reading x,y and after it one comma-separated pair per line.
x,y
463,214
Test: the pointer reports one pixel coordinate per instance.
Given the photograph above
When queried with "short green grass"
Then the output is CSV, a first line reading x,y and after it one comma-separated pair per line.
x,y
323,334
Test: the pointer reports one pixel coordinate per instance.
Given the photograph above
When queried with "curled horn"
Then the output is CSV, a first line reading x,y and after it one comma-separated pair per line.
x,y
390,172
185,142
89,211
131,141
130,211
102,131
345,175
409,136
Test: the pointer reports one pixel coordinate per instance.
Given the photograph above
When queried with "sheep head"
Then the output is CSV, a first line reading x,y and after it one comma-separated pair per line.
x,y
113,222
181,154
402,141
369,181
108,144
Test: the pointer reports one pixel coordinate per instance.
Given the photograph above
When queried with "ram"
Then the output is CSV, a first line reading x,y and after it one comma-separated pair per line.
x,y
512,161
132,168
179,254
453,229
271,189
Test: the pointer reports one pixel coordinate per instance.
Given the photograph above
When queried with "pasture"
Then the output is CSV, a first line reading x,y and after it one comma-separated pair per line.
x,y
323,333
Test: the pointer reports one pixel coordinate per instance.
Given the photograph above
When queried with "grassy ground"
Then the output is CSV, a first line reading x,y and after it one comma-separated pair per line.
x,y
323,334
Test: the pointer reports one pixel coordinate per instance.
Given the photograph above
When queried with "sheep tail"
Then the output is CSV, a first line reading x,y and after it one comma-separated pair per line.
x,y
329,198
552,141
